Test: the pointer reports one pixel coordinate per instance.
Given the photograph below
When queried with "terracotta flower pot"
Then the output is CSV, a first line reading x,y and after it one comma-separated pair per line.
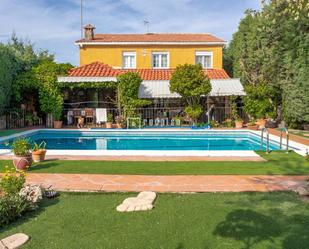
x,y
57,124
239,124
119,125
22,162
38,155
253,127
261,123
109,125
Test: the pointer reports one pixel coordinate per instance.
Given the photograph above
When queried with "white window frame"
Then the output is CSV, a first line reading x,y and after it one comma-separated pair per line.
x,y
205,53
160,60
128,53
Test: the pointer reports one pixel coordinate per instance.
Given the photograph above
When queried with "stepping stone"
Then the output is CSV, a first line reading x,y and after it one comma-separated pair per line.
x,y
144,201
302,191
14,241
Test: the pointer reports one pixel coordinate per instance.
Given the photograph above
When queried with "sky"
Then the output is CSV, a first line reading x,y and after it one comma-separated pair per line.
x,y
55,24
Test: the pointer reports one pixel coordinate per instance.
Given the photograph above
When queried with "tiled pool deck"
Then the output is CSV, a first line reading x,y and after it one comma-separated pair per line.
x,y
183,183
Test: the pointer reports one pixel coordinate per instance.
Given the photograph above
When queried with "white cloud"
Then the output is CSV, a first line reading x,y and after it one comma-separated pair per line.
x,y
55,24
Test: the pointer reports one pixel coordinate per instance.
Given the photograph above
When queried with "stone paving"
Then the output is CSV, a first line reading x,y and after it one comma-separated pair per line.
x,y
182,183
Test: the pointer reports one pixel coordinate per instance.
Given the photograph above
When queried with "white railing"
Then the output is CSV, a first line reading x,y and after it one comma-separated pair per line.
x,y
287,138
267,139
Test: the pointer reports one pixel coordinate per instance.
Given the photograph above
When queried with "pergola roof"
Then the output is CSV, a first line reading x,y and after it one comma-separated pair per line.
x,y
219,87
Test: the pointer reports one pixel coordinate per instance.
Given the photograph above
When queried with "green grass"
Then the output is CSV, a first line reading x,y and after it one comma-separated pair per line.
x,y
199,221
9,132
277,163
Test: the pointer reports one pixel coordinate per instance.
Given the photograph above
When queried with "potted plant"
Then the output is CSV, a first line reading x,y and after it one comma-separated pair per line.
x,y
22,157
109,123
57,119
39,152
228,123
119,122
238,122
194,112
252,125
261,122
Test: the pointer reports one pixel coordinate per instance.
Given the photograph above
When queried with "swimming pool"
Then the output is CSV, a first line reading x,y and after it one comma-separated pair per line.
x,y
209,140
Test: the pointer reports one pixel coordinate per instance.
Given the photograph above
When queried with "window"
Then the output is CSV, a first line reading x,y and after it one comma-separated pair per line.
x,y
204,58
129,59
160,59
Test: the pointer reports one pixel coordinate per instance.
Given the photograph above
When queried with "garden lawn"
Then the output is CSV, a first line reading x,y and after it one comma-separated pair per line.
x,y
9,132
277,163
209,220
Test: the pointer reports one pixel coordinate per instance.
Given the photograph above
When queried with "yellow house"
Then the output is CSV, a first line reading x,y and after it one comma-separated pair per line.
x,y
103,57
150,51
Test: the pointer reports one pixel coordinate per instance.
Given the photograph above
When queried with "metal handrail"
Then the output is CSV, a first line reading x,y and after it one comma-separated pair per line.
x,y
262,138
287,138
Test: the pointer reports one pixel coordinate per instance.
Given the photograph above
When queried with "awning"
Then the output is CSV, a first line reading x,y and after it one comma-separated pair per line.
x,y
160,89
150,89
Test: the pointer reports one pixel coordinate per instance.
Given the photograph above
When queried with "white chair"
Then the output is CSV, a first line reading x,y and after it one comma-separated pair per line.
x,y
101,115
162,122
157,121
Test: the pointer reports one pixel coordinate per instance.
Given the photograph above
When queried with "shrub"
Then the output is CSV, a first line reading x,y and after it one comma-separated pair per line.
x,y
194,112
257,102
228,123
21,147
11,208
12,182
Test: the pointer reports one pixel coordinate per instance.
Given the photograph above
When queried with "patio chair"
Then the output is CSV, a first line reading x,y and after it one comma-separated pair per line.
x,y
101,115
76,115
89,116
145,122
70,119
150,122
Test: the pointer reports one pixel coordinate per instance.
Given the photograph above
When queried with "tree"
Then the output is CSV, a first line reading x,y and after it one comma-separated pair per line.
x,y
191,83
271,47
50,96
8,70
127,93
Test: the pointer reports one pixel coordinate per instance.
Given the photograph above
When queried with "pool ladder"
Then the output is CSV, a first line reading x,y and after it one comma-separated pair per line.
x,y
267,139
287,138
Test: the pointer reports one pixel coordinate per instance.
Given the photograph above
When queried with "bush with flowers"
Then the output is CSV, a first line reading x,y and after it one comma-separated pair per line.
x,y
12,182
14,200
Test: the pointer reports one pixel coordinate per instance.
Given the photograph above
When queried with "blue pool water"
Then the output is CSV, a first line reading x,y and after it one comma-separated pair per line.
x,y
156,140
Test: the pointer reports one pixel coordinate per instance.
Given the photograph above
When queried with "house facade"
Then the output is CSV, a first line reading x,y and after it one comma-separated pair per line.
x,y
154,57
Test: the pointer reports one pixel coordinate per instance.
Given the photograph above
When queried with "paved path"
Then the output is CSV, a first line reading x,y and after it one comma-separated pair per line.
x,y
184,183
292,137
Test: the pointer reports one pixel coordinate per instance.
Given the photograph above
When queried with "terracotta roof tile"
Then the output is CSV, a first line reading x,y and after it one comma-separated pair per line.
x,y
98,69
153,37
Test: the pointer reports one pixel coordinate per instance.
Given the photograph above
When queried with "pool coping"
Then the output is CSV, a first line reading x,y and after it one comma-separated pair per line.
x,y
297,147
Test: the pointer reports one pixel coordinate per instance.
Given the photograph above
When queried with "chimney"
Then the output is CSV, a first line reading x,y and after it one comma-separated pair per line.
x,y
89,33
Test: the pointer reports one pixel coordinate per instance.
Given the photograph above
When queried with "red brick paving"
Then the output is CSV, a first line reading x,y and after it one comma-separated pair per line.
x,y
184,183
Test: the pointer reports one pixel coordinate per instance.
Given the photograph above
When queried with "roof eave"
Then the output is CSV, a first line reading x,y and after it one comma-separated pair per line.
x,y
82,43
